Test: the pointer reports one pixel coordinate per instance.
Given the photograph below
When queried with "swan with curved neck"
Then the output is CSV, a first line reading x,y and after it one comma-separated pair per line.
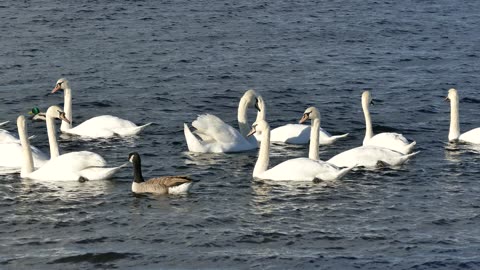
x,y
83,165
297,169
212,135
159,185
103,126
390,140
471,136
297,133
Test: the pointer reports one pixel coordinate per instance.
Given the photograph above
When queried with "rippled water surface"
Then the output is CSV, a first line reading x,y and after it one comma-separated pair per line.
x,y
168,61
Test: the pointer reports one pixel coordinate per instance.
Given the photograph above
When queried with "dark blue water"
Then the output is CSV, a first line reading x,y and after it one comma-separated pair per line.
x,y
167,61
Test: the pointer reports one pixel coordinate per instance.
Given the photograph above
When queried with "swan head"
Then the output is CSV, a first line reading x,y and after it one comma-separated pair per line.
x,y
452,95
55,112
259,103
61,84
21,122
249,98
36,115
258,127
133,157
310,113
366,98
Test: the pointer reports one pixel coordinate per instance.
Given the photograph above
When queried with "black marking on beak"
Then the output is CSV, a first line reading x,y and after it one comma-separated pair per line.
x,y
256,105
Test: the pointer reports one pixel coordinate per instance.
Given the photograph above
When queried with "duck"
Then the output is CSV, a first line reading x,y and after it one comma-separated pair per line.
x,y
103,126
73,166
212,135
297,169
390,140
472,136
157,185
297,133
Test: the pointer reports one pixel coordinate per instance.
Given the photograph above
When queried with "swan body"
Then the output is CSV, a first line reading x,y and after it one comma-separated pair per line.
x,y
12,156
471,136
159,185
67,167
390,140
369,157
104,126
212,135
298,169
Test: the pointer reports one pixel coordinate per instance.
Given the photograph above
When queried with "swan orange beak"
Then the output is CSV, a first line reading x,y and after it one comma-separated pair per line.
x,y
304,118
251,132
64,118
57,87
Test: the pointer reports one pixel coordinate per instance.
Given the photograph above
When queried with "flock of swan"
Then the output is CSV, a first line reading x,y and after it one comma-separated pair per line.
x,y
210,135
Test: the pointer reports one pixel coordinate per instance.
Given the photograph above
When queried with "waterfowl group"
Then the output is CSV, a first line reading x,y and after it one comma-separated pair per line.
x,y
210,135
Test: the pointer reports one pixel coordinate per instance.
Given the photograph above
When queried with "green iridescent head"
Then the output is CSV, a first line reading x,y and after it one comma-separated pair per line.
x,y
35,111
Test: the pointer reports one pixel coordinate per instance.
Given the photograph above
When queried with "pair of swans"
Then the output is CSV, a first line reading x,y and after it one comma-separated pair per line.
x,y
104,126
472,136
212,135
311,168
73,166
297,169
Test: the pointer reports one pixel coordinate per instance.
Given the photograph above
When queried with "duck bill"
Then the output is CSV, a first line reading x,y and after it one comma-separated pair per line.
x,y
304,118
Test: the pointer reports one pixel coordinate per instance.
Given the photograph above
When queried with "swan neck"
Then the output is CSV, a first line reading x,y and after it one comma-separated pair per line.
x,y
454,132
67,108
52,138
368,122
313,152
263,154
243,125
137,172
27,166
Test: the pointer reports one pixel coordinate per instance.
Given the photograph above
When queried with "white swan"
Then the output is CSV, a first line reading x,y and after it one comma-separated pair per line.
x,y
158,185
297,169
103,126
212,135
394,141
370,157
83,165
297,133
471,136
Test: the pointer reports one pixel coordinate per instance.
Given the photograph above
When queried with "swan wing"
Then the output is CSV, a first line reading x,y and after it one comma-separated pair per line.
x,y
215,128
367,156
100,173
394,141
471,136
106,126
7,137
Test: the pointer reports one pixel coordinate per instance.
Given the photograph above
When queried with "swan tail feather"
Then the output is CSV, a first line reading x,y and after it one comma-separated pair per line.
x,y
409,147
131,131
193,144
336,137
96,173
344,171
3,123
407,157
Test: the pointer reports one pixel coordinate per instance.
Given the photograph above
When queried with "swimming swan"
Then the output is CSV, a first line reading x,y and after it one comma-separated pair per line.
x,y
297,169
83,165
159,185
212,135
103,126
298,133
390,140
471,136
